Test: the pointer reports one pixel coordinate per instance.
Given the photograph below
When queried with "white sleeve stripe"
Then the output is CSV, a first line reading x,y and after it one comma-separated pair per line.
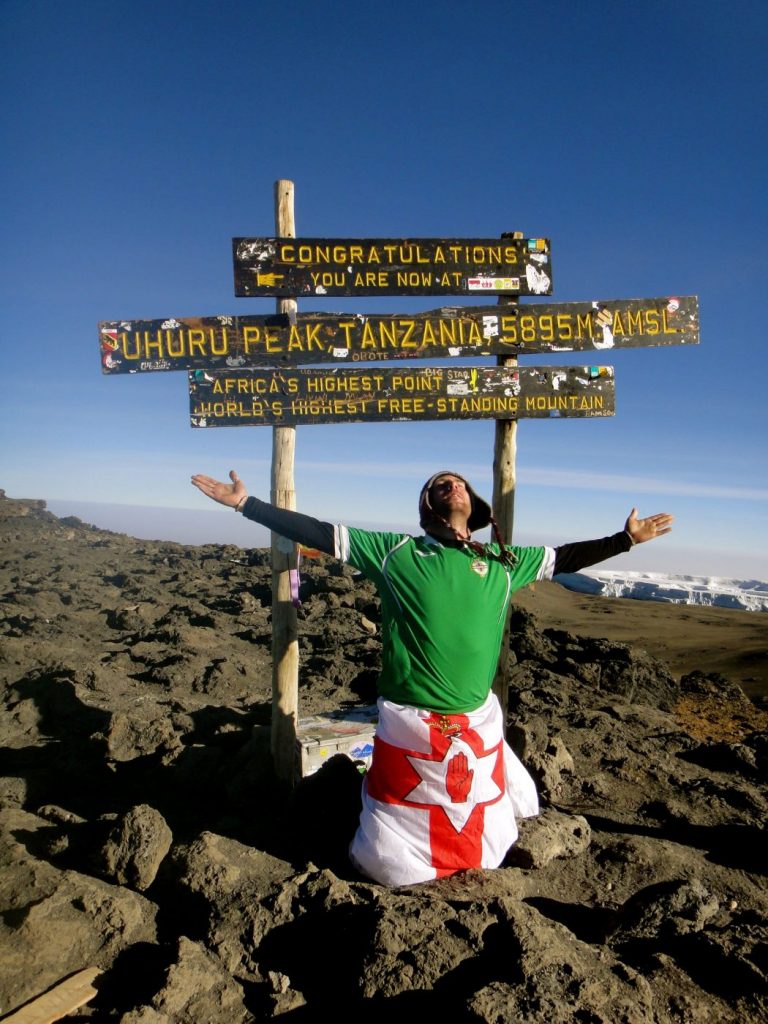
x,y
547,566
341,542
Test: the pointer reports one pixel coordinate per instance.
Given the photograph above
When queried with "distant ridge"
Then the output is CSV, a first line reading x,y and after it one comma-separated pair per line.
x,y
212,526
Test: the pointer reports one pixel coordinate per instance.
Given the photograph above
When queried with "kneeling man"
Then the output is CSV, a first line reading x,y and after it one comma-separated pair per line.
x,y
444,788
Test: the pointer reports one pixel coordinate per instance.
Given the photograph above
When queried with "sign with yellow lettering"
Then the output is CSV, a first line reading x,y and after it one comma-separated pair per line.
x,y
392,266
231,342
249,397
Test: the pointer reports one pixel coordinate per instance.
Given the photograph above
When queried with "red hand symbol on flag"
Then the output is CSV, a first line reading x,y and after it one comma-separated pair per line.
x,y
458,779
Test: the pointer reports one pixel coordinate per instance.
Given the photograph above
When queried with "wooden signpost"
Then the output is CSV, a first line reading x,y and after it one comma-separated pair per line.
x,y
229,342
229,383
285,632
391,266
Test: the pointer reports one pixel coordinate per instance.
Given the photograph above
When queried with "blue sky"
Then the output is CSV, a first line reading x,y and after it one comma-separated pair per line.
x,y
141,137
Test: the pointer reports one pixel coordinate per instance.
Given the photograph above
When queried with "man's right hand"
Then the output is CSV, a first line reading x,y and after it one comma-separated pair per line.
x,y
226,494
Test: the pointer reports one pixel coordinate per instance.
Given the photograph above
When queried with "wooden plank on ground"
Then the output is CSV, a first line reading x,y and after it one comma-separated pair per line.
x,y
57,1002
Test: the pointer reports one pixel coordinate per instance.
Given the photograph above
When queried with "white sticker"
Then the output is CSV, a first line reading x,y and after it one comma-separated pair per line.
x,y
538,282
490,326
339,353
604,320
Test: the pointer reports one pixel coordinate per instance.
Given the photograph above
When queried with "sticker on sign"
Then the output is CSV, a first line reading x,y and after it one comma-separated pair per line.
x,y
493,284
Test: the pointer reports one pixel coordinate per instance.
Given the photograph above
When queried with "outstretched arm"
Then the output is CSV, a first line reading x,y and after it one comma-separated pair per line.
x,y
572,557
293,525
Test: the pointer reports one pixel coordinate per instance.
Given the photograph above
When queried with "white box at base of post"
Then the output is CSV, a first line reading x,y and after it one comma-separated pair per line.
x,y
320,737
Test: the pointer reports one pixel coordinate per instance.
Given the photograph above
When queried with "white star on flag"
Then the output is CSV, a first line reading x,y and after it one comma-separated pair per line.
x,y
433,786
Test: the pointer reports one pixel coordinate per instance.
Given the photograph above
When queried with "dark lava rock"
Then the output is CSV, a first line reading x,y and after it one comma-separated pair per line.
x,y
134,748
136,847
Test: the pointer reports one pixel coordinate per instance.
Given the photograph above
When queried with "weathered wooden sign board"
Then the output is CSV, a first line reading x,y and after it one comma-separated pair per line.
x,y
230,342
252,397
391,266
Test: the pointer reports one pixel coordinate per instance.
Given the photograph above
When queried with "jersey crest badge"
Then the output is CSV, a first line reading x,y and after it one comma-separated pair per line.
x,y
479,566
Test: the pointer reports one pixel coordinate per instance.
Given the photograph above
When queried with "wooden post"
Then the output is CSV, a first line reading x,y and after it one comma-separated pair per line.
x,y
504,482
285,644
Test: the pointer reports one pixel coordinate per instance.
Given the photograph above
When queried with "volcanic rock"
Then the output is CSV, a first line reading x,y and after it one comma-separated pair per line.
x,y
136,848
142,830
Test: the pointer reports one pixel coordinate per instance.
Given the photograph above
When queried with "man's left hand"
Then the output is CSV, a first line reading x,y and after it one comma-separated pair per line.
x,y
641,530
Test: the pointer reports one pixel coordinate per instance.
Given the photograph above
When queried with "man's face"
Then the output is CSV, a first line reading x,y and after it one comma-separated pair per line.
x,y
449,494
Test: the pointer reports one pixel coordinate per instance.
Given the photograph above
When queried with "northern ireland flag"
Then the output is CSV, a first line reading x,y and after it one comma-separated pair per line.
x,y
441,796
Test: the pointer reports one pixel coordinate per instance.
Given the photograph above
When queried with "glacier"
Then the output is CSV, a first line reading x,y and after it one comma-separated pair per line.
x,y
708,591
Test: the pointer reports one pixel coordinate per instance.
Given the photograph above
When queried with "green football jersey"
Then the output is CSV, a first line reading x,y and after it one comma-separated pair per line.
x,y
443,613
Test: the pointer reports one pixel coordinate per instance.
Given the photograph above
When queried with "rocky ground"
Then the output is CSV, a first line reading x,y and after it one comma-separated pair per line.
x,y
142,831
